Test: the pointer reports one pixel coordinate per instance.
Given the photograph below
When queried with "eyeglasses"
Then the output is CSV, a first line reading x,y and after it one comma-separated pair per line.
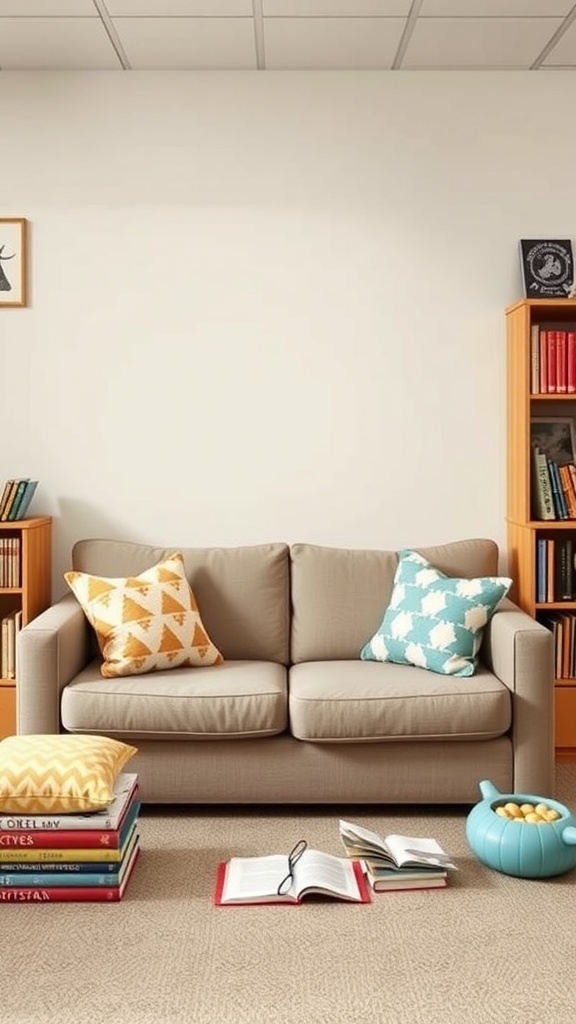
x,y
293,858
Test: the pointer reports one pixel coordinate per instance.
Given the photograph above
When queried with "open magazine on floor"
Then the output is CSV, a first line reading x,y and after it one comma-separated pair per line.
x,y
393,851
289,878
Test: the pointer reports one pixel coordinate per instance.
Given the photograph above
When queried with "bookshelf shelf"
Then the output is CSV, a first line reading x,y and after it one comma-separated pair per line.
x,y
565,606
543,525
542,552
552,398
25,552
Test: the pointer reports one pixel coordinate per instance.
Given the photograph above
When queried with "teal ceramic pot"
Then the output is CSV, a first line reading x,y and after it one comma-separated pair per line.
x,y
519,848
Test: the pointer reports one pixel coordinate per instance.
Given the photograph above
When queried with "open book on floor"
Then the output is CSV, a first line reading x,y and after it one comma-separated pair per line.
x,y
274,879
394,851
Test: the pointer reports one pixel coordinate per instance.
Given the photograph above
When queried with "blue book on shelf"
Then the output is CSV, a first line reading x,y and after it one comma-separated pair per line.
x,y
541,571
558,492
17,500
25,499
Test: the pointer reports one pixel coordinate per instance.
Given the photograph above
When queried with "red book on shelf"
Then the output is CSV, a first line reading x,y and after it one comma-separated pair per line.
x,y
551,347
571,361
561,363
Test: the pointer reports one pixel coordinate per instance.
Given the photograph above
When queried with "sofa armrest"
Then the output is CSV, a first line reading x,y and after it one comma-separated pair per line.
x,y
520,652
52,649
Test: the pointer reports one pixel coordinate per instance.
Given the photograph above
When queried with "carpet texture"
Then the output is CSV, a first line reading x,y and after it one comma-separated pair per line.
x,y
488,950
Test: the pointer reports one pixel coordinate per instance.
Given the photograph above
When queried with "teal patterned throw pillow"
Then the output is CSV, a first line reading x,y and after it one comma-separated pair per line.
x,y
435,621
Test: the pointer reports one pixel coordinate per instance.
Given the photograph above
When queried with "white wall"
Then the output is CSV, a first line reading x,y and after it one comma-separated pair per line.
x,y
269,306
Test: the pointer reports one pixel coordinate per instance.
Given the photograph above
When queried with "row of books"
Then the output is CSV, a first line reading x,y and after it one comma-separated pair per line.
x,y
11,626
553,488
16,498
555,570
563,628
553,359
71,858
10,561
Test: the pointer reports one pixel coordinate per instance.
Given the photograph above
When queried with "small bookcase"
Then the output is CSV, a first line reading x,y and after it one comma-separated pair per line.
x,y
541,486
25,591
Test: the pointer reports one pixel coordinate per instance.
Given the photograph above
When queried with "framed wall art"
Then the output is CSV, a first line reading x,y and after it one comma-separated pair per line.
x,y
556,437
547,267
13,261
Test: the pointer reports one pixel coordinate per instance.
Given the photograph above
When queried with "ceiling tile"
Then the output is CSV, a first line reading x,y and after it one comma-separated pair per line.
x,y
47,9
179,8
222,44
336,8
331,43
66,44
478,42
564,53
495,8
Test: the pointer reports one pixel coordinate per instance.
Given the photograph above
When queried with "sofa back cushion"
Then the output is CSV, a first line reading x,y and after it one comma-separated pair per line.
x,y
339,595
242,592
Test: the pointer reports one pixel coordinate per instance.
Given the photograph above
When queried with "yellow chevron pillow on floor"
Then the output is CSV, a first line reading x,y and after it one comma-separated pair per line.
x,y
145,623
59,774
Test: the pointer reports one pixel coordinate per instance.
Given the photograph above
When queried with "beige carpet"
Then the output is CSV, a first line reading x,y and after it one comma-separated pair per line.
x,y
488,950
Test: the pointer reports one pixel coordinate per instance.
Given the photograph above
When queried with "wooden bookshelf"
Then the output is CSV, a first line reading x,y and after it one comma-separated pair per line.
x,y
30,594
524,530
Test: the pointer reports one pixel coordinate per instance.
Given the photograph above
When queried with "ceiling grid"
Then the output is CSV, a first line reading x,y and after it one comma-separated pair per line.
x,y
287,35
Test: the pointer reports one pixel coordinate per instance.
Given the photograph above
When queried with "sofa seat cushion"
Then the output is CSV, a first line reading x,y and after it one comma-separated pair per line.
x,y
351,701
233,700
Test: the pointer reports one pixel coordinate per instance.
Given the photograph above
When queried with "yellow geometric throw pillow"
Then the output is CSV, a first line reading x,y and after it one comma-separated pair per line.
x,y
51,774
145,623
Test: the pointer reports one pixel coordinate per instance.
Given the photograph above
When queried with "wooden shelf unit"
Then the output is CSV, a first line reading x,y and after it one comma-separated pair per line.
x,y
524,531
31,597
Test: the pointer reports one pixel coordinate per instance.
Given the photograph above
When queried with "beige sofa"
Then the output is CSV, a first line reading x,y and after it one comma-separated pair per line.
x,y
293,715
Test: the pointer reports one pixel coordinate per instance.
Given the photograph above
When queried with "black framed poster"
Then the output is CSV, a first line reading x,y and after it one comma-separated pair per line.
x,y
547,268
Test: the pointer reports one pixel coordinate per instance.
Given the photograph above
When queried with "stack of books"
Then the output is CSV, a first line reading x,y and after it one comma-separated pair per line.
x,y
71,858
16,497
397,862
